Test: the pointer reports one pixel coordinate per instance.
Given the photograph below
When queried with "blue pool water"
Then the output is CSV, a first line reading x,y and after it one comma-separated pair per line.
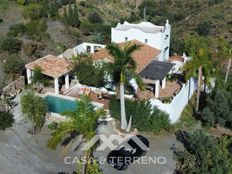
x,y
60,105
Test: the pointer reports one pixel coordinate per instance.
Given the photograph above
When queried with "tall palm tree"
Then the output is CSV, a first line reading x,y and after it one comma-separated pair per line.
x,y
123,69
225,53
82,121
200,65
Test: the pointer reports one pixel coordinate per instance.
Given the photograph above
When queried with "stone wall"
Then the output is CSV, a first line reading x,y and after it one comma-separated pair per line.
x,y
15,87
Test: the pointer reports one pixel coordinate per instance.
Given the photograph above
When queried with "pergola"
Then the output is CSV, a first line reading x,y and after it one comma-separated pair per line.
x,y
51,66
155,73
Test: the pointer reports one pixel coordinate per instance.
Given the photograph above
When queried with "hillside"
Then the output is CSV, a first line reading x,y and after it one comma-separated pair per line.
x,y
53,35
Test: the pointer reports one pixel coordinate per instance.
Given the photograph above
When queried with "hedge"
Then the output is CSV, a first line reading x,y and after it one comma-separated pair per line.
x,y
144,117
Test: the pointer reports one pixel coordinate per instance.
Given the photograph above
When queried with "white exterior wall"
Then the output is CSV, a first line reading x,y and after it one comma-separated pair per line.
x,y
157,40
154,39
82,48
175,108
166,35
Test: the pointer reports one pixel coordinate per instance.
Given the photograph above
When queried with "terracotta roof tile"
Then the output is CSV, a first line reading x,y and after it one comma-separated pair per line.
x,y
176,58
51,65
142,56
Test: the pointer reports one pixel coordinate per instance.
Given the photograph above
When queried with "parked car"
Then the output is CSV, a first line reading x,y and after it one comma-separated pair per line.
x,y
122,158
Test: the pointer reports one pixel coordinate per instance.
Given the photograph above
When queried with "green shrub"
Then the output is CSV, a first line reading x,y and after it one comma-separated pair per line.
x,y
218,109
13,65
37,29
30,48
203,29
16,29
99,38
11,45
203,153
22,2
95,18
6,119
53,126
53,10
89,74
144,117
34,11
34,108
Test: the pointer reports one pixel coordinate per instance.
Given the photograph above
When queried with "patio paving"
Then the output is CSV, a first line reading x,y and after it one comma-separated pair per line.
x,y
171,89
93,97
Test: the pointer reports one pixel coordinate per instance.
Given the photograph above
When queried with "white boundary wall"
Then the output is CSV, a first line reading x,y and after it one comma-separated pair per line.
x,y
175,108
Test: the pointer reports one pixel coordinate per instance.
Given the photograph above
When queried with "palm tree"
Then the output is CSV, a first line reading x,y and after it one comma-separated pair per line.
x,y
200,64
83,121
225,53
122,69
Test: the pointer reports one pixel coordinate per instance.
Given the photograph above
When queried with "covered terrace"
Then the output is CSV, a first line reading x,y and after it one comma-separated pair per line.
x,y
51,66
154,76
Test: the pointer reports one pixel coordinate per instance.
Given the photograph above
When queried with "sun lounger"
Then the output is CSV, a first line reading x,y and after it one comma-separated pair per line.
x,y
87,91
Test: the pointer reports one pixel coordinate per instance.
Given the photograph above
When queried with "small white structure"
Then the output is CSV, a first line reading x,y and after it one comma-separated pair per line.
x,y
145,32
87,48
51,66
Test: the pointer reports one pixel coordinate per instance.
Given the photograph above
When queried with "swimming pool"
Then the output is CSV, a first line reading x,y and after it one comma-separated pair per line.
x,y
60,105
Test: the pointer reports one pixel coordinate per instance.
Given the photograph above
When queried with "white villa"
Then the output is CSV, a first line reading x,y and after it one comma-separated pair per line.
x,y
153,65
145,32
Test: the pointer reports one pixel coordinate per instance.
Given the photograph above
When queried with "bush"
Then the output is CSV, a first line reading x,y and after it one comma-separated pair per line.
x,y
34,11
218,109
203,29
203,154
53,126
34,108
37,29
11,45
144,117
30,48
13,65
95,18
89,74
6,119
22,2
16,29
82,3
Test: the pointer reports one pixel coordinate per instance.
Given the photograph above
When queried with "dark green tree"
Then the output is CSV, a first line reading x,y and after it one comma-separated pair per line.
x,y
34,108
203,154
6,119
13,66
11,45
88,73
203,29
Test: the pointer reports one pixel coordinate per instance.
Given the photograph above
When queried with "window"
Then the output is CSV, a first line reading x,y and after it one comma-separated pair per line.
x,y
126,38
146,40
166,36
88,49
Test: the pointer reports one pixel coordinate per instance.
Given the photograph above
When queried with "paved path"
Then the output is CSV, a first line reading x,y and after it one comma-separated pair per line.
x,y
159,147
23,153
